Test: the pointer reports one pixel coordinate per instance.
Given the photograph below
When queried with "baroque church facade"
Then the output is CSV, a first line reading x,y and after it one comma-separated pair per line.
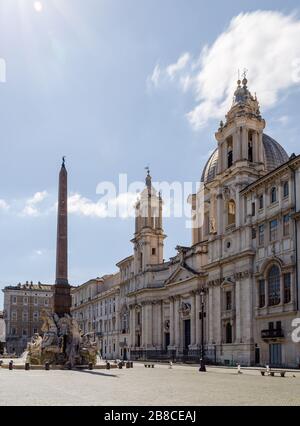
x,y
233,294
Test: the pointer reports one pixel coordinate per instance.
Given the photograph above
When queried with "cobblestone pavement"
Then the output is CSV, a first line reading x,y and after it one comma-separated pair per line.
x,y
181,385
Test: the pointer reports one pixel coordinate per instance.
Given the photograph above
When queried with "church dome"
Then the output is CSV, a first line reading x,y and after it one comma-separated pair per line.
x,y
274,156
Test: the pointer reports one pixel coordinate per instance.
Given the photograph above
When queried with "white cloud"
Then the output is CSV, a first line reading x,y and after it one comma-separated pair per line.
x,y
264,42
37,198
30,211
154,78
121,206
284,119
173,69
31,208
85,207
3,205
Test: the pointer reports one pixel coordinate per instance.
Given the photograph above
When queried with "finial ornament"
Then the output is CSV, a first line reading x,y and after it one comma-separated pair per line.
x,y
148,178
64,161
239,78
245,81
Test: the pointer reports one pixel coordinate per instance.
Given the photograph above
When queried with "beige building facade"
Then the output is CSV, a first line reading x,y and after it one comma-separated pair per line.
x,y
23,305
233,294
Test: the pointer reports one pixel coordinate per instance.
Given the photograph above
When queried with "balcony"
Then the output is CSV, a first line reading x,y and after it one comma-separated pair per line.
x,y
275,333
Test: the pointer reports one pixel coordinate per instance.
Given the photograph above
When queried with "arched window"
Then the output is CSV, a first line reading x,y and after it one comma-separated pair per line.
x,y
274,286
250,152
229,152
273,195
228,333
231,212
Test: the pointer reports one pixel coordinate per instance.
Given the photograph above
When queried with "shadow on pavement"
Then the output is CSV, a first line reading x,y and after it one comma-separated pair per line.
x,y
97,373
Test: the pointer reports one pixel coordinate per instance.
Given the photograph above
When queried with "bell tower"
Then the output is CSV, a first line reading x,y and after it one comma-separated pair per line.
x,y
149,236
240,139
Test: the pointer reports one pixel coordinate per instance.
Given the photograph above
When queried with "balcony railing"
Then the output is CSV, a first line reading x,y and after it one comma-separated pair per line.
x,y
275,333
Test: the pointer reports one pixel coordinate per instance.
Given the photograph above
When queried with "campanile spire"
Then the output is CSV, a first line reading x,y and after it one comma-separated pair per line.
x,y
62,297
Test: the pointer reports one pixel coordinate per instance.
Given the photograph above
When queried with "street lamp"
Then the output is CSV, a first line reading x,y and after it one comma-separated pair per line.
x,y
202,362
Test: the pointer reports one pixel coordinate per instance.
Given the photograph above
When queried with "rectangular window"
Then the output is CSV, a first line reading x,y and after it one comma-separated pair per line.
x,y
14,316
35,316
253,233
287,287
273,230
228,300
286,189
230,158
35,330
261,235
35,300
286,225
14,300
261,202
262,293
253,209
153,252
273,195
25,300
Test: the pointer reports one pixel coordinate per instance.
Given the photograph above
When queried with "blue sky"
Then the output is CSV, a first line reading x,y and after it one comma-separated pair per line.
x,y
116,85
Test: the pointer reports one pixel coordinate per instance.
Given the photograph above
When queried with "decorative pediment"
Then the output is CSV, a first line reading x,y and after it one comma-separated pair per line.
x,y
227,282
182,273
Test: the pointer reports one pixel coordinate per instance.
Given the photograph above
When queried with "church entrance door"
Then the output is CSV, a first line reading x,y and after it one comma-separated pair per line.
x,y
187,333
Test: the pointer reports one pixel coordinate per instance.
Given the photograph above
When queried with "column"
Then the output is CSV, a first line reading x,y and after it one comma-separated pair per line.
x,y
217,315
197,322
149,325
235,146
245,143
238,312
159,324
210,315
255,148
193,319
171,321
132,331
238,210
143,325
220,214
266,291
177,321
281,289
260,146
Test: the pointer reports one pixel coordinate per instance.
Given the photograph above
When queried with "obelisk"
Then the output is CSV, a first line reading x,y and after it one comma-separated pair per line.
x,y
62,289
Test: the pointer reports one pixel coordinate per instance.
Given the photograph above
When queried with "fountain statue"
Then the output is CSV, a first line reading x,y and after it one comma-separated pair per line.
x,y
62,343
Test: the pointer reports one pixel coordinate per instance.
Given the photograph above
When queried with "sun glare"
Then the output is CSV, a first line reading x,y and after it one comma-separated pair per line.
x,y
38,6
